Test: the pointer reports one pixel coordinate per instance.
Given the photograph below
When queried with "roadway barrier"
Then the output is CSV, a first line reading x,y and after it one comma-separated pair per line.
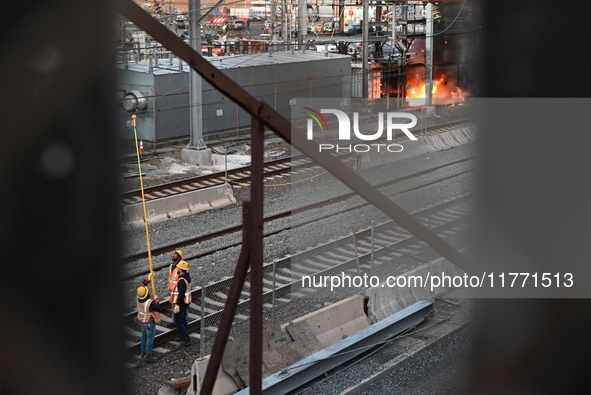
x,y
323,361
386,299
181,204
298,339
423,145
336,322
224,384
447,140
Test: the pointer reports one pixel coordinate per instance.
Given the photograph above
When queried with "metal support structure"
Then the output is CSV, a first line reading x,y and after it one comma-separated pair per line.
x,y
302,24
429,56
273,299
356,253
256,256
341,17
232,301
202,324
365,51
226,162
372,248
195,81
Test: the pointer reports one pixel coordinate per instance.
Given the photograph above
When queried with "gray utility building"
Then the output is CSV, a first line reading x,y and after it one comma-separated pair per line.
x,y
158,91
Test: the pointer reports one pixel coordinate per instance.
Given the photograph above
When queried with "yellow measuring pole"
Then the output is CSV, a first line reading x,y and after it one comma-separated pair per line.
x,y
139,166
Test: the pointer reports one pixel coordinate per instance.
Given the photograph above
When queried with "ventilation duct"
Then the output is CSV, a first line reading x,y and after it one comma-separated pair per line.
x,y
134,101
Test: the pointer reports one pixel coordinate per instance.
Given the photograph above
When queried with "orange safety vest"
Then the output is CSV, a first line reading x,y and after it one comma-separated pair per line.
x,y
172,277
174,297
144,314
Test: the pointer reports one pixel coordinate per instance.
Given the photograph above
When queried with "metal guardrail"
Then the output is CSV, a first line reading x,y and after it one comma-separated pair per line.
x,y
321,362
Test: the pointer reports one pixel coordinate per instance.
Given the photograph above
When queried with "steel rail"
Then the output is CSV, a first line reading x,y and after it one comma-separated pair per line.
x,y
317,250
233,229
290,227
280,290
233,175
297,162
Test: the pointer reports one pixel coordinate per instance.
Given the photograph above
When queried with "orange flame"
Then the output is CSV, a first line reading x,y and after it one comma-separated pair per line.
x,y
442,93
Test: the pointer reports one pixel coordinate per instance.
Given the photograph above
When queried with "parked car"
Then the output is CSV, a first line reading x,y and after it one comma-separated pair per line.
x,y
323,47
238,24
351,30
383,50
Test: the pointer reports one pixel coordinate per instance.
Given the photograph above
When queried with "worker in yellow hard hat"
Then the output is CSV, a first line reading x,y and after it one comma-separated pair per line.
x,y
148,315
180,300
177,255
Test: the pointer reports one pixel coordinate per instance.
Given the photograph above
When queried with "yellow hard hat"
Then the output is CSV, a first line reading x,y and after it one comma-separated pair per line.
x,y
183,265
142,292
178,252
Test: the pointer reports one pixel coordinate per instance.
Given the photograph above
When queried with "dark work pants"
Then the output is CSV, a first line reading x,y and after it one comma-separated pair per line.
x,y
180,321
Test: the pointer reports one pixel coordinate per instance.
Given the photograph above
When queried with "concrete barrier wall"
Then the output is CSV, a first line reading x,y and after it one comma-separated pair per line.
x,y
334,323
447,140
177,205
422,145
330,325
224,384
386,300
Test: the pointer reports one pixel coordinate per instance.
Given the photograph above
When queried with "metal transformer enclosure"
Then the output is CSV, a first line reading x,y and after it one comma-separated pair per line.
x,y
275,78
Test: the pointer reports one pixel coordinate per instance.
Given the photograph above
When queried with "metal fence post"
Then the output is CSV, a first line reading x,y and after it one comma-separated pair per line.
x,y
356,254
202,323
226,160
372,248
273,301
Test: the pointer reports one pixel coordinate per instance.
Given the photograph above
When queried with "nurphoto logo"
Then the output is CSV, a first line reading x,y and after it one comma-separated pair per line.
x,y
391,120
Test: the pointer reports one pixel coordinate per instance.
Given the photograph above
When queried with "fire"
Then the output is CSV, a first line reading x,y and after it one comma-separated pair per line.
x,y
442,93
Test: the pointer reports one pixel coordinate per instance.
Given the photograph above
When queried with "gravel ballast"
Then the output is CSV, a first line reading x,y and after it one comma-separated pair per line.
x,y
146,378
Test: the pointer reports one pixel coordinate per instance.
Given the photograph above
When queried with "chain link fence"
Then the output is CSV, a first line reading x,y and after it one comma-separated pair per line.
x,y
299,284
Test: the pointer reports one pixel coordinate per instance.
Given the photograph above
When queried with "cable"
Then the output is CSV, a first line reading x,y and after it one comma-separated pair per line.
x,y
447,28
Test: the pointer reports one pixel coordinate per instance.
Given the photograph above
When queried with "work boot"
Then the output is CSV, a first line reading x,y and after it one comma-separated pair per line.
x,y
150,358
186,342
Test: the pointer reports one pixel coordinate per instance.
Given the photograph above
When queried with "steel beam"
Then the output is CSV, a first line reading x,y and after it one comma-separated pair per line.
x,y
231,305
256,256
321,362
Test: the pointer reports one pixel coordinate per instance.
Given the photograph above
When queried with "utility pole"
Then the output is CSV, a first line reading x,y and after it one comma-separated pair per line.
x,y
429,61
302,23
196,152
365,50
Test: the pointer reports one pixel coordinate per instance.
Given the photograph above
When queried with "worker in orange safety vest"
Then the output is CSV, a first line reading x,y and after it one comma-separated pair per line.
x,y
177,255
181,299
148,315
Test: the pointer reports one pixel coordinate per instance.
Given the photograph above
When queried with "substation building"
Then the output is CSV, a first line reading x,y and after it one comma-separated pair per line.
x,y
157,90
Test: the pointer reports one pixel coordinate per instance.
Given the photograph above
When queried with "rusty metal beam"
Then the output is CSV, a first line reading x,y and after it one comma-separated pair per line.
x,y
256,257
231,305
283,127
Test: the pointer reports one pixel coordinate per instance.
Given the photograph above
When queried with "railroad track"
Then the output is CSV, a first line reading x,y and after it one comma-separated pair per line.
x,y
242,175
237,228
349,254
